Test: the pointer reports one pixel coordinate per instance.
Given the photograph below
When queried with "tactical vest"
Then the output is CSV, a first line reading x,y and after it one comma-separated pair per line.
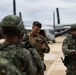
x,y
35,41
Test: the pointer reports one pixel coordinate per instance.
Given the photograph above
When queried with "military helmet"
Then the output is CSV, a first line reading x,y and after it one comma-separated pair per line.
x,y
12,22
73,27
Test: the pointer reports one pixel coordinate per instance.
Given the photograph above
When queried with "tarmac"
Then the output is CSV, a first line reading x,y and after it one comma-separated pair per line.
x,y
54,65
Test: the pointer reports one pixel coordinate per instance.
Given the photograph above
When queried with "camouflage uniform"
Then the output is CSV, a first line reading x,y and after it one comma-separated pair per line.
x,y
7,68
36,57
15,52
69,48
35,41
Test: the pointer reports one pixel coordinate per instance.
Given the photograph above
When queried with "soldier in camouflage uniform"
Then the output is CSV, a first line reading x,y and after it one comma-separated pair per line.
x,y
38,41
12,49
69,49
7,68
36,57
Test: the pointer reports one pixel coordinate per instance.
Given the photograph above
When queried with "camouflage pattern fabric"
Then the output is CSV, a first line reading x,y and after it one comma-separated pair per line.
x,y
68,47
37,60
35,41
36,57
73,27
19,56
7,68
12,22
12,26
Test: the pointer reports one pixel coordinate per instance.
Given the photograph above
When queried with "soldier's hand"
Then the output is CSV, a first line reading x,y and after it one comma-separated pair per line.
x,y
42,46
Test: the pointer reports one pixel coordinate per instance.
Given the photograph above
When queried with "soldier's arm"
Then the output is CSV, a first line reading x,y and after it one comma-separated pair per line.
x,y
47,48
30,66
37,59
65,48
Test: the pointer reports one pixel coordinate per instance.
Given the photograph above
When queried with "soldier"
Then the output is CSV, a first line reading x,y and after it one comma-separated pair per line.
x,y
12,49
37,41
36,57
7,68
69,50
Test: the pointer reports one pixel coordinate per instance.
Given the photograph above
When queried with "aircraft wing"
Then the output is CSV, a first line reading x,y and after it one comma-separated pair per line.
x,y
67,26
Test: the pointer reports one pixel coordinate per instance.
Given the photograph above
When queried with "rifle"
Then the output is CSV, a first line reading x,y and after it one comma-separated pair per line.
x,y
28,45
66,60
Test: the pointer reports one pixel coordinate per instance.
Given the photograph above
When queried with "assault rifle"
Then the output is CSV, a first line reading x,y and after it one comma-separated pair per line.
x,y
68,58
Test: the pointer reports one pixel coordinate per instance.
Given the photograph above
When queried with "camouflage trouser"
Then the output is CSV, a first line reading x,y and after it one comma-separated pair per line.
x,y
71,68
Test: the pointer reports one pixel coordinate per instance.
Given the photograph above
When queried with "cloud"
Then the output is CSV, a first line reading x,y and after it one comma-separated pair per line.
x,y
41,10
71,1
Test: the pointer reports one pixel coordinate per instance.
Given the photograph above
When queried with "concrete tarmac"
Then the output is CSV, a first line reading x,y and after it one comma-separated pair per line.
x,y
53,60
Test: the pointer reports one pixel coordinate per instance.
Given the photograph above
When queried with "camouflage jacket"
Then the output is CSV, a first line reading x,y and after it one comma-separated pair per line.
x,y
36,57
69,45
7,68
35,42
19,56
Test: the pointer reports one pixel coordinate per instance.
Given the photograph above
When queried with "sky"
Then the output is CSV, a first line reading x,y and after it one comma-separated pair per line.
x,y
41,10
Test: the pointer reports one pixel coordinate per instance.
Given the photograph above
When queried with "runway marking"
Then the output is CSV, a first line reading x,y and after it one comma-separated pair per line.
x,y
51,67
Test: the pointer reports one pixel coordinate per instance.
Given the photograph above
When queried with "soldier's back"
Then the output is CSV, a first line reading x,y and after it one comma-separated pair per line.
x,y
7,68
19,56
